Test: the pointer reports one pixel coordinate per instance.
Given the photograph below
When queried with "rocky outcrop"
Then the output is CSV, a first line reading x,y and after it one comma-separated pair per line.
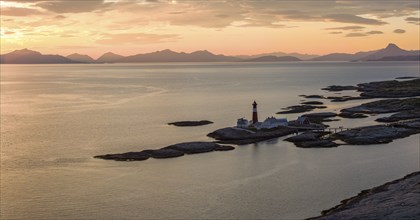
x,y
171,151
300,109
336,88
312,103
316,144
407,77
404,115
398,199
129,156
313,96
194,147
385,106
164,153
378,134
381,89
344,98
190,123
390,89
352,115
238,136
312,140
321,115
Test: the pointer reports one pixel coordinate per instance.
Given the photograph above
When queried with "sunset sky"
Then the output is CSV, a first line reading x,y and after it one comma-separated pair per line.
x,y
94,27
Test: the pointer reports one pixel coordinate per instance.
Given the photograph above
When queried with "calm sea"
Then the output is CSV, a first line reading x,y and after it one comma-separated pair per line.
x,y
55,118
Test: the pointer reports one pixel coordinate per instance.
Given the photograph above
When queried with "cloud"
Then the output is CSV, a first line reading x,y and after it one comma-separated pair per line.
x,y
399,31
335,32
346,28
413,20
374,32
137,38
73,6
355,35
358,34
354,19
13,11
131,14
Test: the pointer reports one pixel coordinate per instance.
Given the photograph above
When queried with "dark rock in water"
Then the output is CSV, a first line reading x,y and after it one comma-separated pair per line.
x,y
344,98
312,140
329,119
194,147
316,144
390,89
404,115
307,136
319,118
312,103
171,151
299,109
412,124
129,156
320,115
224,148
313,96
378,134
352,115
164,153
339,88
231,135
190,123
407,77
385,106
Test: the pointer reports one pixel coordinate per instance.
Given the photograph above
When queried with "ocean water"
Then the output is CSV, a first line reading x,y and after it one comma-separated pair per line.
x,y
55,118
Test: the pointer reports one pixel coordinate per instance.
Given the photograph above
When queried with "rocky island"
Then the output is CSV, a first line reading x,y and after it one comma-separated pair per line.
x,y
398,199
190,123
171,151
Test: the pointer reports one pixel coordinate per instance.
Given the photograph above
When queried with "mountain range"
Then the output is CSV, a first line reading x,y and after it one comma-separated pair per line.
x,y
26,56
391,53
391,50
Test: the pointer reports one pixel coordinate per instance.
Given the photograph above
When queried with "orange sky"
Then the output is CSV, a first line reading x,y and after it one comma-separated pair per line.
x,y
94,27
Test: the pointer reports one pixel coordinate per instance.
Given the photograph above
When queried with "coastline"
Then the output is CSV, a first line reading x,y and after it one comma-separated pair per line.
x,y
397,199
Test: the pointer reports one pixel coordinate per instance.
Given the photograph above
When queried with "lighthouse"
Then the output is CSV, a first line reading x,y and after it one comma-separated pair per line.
x,y
254,113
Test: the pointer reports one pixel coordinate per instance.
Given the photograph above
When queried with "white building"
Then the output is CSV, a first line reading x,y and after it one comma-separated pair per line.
x,y
272,122
242,123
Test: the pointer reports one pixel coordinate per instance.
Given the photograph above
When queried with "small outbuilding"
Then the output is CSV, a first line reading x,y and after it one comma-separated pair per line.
x,y
302,120
272,122
242,123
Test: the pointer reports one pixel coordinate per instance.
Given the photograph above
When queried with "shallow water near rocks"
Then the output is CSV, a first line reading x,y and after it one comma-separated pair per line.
x,y
55,118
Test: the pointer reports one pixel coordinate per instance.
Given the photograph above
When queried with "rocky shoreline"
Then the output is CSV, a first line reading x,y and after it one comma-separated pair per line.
x,y
398,199
176,150
230,135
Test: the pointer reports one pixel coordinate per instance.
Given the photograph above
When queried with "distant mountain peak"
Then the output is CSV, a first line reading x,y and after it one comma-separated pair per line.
x,y
25,51
167,51
81,58
109,53
26,56
392,50
109,57
392,46
202,52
